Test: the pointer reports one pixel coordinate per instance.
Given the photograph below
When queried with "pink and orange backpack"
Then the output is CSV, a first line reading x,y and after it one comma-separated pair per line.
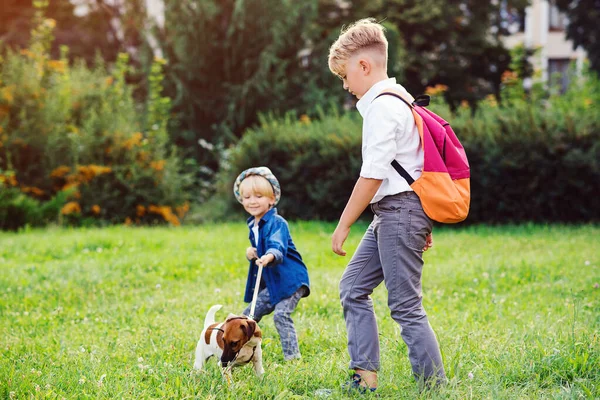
x,y
443,187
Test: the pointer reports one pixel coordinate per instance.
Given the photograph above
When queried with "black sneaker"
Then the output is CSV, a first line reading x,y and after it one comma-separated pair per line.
x,y
354,386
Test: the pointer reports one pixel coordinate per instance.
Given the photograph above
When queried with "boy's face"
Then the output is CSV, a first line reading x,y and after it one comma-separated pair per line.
x,y
256,204
356,80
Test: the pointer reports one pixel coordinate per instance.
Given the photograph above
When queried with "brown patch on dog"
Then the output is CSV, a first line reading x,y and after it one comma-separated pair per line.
x,y
209,332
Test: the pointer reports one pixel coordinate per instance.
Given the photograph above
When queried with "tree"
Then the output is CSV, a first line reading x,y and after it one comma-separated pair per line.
x,y
16,19
455,43
582,29
229,60
103,28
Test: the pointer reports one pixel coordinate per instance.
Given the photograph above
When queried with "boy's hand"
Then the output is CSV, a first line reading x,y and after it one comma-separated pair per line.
x,y
265,260
428,242
251,253
337,240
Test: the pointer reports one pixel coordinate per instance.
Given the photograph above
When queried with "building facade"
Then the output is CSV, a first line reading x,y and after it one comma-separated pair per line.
x,y
544,28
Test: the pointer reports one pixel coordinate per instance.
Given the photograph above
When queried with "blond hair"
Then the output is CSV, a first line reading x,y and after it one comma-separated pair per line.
x,y
258,185
362,35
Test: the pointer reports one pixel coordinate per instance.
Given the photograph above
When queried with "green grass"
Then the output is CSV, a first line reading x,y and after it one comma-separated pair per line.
x,y
116,313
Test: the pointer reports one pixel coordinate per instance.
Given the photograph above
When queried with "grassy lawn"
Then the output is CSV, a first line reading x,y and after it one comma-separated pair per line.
x,y
116,313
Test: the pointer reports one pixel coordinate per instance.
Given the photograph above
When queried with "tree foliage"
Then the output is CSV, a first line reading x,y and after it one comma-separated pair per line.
x,y
454,43
105,28
232,59
582,29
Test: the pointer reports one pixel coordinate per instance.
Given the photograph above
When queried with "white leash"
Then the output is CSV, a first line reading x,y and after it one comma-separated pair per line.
x,y
256,288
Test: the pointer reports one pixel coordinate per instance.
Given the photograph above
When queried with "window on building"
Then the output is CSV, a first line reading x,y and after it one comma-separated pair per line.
x,y
557,20
558,73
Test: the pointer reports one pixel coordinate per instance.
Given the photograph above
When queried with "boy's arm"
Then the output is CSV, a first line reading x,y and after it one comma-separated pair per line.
x,y
276,244
363,193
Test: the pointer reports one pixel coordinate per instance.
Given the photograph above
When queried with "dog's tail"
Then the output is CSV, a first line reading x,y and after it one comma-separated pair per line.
x,y
210,316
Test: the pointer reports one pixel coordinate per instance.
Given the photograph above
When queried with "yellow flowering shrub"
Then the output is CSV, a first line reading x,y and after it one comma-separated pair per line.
x,y
436,90
69,129
70,208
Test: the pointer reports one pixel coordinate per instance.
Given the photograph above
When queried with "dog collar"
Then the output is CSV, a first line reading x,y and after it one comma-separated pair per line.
x,y
251,357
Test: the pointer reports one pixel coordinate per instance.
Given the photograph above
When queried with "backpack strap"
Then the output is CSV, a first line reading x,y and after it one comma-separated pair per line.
x,y
420,101
402,172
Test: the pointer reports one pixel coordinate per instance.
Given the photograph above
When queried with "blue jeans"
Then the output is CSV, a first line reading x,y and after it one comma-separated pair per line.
x,y
282,318
391,251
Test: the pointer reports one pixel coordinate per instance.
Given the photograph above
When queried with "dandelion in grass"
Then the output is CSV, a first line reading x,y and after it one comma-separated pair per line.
x,y
587,262
82,380
470,375
217,290
158,286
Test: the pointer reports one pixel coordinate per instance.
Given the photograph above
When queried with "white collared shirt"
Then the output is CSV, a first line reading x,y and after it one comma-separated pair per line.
x,y
389,132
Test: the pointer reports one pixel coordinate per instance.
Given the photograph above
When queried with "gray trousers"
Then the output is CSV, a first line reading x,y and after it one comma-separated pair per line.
x,y
391,251
282,319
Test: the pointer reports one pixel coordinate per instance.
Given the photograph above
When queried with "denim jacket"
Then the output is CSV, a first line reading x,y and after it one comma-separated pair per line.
x,y
287,273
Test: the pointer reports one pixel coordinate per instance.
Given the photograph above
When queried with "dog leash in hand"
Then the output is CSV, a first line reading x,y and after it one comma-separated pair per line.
x,y
256,288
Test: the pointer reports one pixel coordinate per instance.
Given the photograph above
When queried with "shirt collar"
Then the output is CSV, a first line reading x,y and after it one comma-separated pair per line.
x,y
368,97
270,214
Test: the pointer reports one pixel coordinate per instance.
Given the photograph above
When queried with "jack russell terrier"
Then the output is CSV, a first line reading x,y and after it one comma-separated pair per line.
x,y
236,342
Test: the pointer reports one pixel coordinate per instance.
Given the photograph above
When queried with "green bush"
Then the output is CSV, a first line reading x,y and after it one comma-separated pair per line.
x,y
71,128
531,158
316,162
18,210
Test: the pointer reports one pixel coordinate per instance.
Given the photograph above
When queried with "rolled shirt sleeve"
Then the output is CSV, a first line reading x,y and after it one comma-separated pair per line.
x,y
380,127
277,241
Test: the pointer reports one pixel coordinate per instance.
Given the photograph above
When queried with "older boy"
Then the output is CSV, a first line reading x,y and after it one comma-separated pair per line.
x,y
392,247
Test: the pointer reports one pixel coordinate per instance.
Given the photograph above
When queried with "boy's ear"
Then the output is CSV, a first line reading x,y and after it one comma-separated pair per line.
x,y
365,66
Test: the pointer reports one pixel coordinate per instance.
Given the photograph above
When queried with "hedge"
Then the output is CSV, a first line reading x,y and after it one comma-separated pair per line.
x,y
535,157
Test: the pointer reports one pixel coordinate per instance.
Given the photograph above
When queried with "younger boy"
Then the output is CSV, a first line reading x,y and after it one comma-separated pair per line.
x,y
392,247
284,277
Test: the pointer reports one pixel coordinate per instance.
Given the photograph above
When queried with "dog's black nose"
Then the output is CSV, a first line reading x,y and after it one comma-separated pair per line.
x,y
224,364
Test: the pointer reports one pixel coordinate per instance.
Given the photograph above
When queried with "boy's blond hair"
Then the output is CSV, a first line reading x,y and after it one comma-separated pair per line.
x,y
361,35
257,184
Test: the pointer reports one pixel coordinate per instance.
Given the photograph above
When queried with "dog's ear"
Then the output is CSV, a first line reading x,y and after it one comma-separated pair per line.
x,y
249,329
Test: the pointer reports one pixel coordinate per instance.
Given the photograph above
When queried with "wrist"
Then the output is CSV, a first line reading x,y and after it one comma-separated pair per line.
x,y
269,258
343,226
